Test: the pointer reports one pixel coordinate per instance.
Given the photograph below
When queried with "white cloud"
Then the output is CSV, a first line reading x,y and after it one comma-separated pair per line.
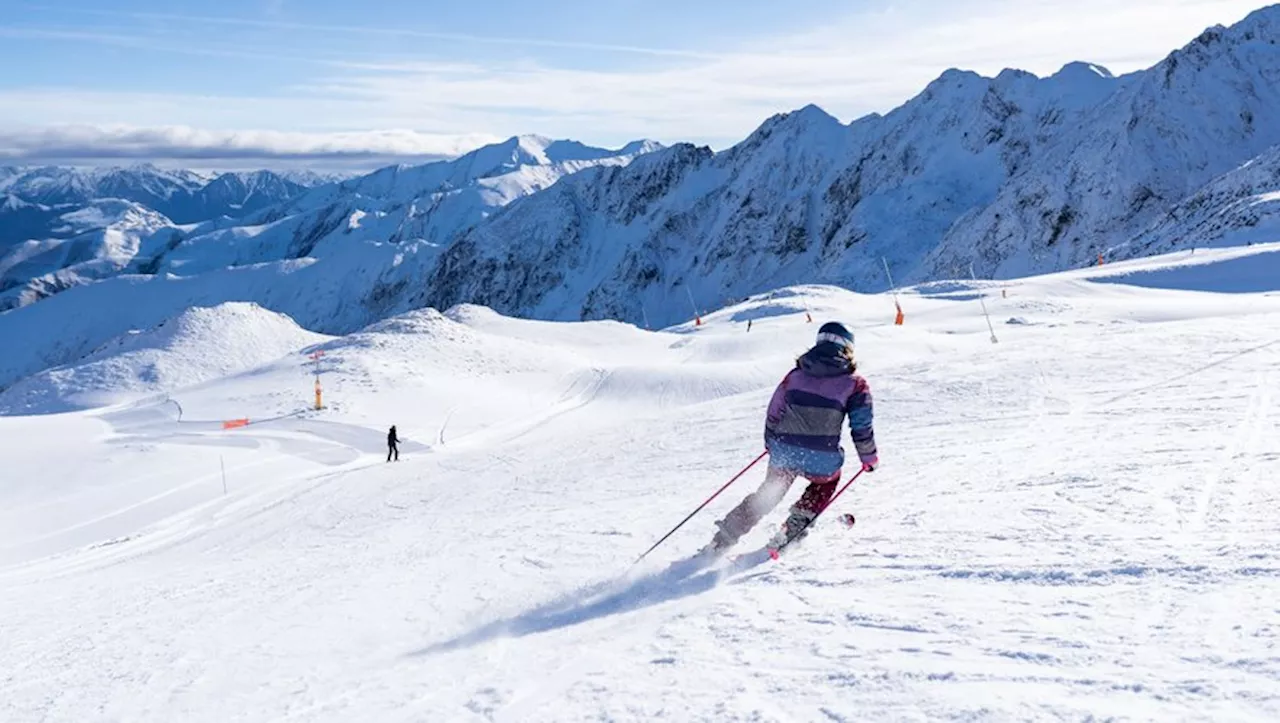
x,y
850,66
88,143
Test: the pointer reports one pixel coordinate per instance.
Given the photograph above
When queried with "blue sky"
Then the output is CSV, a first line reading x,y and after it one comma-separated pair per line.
x,y
323,79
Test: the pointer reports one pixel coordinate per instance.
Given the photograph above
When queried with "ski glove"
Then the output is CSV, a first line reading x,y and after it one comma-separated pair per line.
x,y
869,465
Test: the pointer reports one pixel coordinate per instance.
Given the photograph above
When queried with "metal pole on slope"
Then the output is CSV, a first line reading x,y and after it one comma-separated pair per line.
x,y
716,494
900,317
697,318
982,300
223,464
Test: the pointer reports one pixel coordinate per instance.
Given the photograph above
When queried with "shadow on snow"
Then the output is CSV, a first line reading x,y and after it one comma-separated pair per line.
x,y
681,579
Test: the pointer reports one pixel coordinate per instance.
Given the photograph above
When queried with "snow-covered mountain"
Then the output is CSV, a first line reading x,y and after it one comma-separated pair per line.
x,y
429,203
97,240
336,258
1014,174
1240,207
44,210
182,196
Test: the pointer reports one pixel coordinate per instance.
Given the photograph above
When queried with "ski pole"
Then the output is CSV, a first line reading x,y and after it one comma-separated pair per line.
x,y
704,504
774,553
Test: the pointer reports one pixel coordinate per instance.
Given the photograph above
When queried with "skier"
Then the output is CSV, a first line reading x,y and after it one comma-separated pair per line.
x,y
392,439
802,434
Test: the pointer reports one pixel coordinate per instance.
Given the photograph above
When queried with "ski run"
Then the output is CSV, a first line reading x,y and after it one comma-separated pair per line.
x,y
1077,522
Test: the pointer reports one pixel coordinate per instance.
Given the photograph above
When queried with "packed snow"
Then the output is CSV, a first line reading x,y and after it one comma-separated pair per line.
x,y
197,345
1076,522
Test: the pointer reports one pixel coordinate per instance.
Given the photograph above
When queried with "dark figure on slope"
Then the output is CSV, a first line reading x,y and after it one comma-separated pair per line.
x,y
802,433
392,440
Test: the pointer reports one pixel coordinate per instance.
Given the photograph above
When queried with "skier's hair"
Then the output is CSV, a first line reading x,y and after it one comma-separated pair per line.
x,y
845,352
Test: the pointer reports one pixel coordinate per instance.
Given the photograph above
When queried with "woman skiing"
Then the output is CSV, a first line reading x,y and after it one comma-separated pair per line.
x,y
802,434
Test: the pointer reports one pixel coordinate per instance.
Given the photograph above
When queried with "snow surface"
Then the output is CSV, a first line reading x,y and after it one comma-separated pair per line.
x,y
197,345
1077,522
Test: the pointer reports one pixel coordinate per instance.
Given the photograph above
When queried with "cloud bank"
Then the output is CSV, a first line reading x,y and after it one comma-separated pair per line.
x,y
850,65
105,144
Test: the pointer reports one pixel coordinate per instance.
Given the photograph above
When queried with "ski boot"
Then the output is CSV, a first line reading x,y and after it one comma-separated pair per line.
x,y
794,529
719,544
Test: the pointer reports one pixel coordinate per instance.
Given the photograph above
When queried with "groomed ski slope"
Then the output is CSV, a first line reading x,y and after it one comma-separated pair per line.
x,y
1078,521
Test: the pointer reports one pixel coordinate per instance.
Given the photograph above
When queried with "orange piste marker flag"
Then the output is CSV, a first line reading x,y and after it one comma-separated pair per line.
x,y
900,318
233,423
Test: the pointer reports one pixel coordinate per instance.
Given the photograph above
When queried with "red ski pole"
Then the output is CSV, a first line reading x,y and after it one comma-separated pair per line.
x,y
736,477
774,552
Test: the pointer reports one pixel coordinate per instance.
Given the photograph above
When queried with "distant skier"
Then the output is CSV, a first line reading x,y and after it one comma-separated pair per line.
x,y
802,433
392,440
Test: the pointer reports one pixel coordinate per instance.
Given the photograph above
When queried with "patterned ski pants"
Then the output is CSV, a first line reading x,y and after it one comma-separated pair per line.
x,y
749,512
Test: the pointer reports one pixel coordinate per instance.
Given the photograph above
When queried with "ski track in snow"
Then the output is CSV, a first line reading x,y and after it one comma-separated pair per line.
x,y
1074,523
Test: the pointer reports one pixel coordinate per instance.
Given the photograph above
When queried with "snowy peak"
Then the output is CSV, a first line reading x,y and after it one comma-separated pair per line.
x,y
810,118
1077,71
1254,41
639,148
534,150
183,196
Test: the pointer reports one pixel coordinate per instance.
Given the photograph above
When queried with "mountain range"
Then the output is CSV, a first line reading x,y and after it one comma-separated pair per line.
x,y
997,177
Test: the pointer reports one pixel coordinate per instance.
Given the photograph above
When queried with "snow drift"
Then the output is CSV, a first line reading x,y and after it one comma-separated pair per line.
x,y
197,345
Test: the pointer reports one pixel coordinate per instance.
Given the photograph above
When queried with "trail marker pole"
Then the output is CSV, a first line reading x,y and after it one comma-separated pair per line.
x,y
315,356
983,301
900,318
697,318
223,464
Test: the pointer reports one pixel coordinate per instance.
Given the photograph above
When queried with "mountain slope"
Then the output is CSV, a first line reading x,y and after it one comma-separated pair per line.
x,y
1242,206
1167,132
182,196
95,241
1003,175
1013,174
335,259
197,345
430,203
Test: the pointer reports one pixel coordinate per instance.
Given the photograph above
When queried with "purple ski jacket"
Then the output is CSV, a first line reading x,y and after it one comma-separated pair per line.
x,y
807,413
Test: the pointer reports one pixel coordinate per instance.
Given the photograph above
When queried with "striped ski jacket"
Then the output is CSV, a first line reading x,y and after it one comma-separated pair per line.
x,y
807,413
